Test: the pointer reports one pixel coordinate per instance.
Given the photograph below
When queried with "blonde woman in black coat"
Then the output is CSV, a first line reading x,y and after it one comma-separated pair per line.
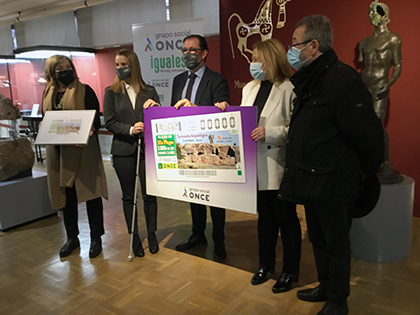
x,y
123,111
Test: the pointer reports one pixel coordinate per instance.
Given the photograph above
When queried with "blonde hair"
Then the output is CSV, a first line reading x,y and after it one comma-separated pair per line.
x,y
273,53
136,80
50,66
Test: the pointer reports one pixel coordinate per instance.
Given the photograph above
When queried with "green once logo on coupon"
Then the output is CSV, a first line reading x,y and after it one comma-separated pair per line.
x,y
165,145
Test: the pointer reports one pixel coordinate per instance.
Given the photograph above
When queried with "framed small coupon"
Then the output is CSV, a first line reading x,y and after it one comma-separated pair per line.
x,y
66,127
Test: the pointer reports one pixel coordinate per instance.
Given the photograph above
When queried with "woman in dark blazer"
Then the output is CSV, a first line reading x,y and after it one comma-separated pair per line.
x,y
123,111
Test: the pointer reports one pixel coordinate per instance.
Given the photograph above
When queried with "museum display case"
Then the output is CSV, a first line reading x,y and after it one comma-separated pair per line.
x,y
22,76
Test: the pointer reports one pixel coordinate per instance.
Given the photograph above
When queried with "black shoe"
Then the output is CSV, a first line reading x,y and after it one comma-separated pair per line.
x,y
261,275
334,309
70,246
192,241
285,282
95,247
317,294
153,243
137,246
219,253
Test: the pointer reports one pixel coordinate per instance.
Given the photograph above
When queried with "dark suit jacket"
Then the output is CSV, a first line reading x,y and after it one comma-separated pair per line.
x,y
120,117
213,88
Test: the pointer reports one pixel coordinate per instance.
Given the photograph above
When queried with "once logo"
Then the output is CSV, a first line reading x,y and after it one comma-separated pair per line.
x,y
149,44
169,45
199,196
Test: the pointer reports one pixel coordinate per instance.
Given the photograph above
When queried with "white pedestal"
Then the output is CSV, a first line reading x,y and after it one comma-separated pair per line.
x,y
384,235
23,200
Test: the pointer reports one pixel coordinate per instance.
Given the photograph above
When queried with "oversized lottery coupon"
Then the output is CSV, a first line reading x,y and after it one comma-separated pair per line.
x,y
199,148
202,155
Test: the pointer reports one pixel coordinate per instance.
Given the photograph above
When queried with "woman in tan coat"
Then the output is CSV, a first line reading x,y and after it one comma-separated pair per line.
x,y
75,173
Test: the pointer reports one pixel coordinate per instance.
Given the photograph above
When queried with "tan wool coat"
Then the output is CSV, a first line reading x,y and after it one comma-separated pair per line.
x,y
71,165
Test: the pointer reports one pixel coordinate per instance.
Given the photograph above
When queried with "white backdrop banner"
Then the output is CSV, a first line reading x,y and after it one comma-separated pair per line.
x,y
158,46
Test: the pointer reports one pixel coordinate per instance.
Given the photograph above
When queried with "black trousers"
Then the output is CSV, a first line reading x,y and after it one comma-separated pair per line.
x,y
125,167
275,214
94,211
328,230
199,219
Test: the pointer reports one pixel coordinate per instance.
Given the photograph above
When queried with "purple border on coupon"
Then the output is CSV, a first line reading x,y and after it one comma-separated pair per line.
x,y
249,123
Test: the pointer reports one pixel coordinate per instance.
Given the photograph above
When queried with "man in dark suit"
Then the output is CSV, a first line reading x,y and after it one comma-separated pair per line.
x,y
200,86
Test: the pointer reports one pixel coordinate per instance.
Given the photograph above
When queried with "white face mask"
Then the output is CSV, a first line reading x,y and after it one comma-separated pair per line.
x,y
255,68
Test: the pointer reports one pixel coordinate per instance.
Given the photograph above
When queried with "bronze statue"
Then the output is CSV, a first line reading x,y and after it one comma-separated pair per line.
x,y
381,52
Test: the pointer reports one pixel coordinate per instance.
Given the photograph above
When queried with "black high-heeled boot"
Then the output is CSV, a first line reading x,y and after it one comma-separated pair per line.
x,y
137,246
153,243
70,246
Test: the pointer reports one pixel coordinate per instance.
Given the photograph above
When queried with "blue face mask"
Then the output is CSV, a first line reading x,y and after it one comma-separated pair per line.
x,y
255,68
293,57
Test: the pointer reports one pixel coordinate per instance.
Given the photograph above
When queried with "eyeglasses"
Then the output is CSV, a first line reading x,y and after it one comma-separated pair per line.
x,y
191,50
297,44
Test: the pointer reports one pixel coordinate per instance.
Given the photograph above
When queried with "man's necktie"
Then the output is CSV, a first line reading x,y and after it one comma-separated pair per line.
x,y
190,86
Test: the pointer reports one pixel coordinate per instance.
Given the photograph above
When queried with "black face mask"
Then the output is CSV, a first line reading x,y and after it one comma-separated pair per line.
x,y
124,73
190,60
66,77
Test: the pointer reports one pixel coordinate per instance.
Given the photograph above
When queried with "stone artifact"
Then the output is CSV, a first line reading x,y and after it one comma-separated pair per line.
x,y
381,55
8,110
16,154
